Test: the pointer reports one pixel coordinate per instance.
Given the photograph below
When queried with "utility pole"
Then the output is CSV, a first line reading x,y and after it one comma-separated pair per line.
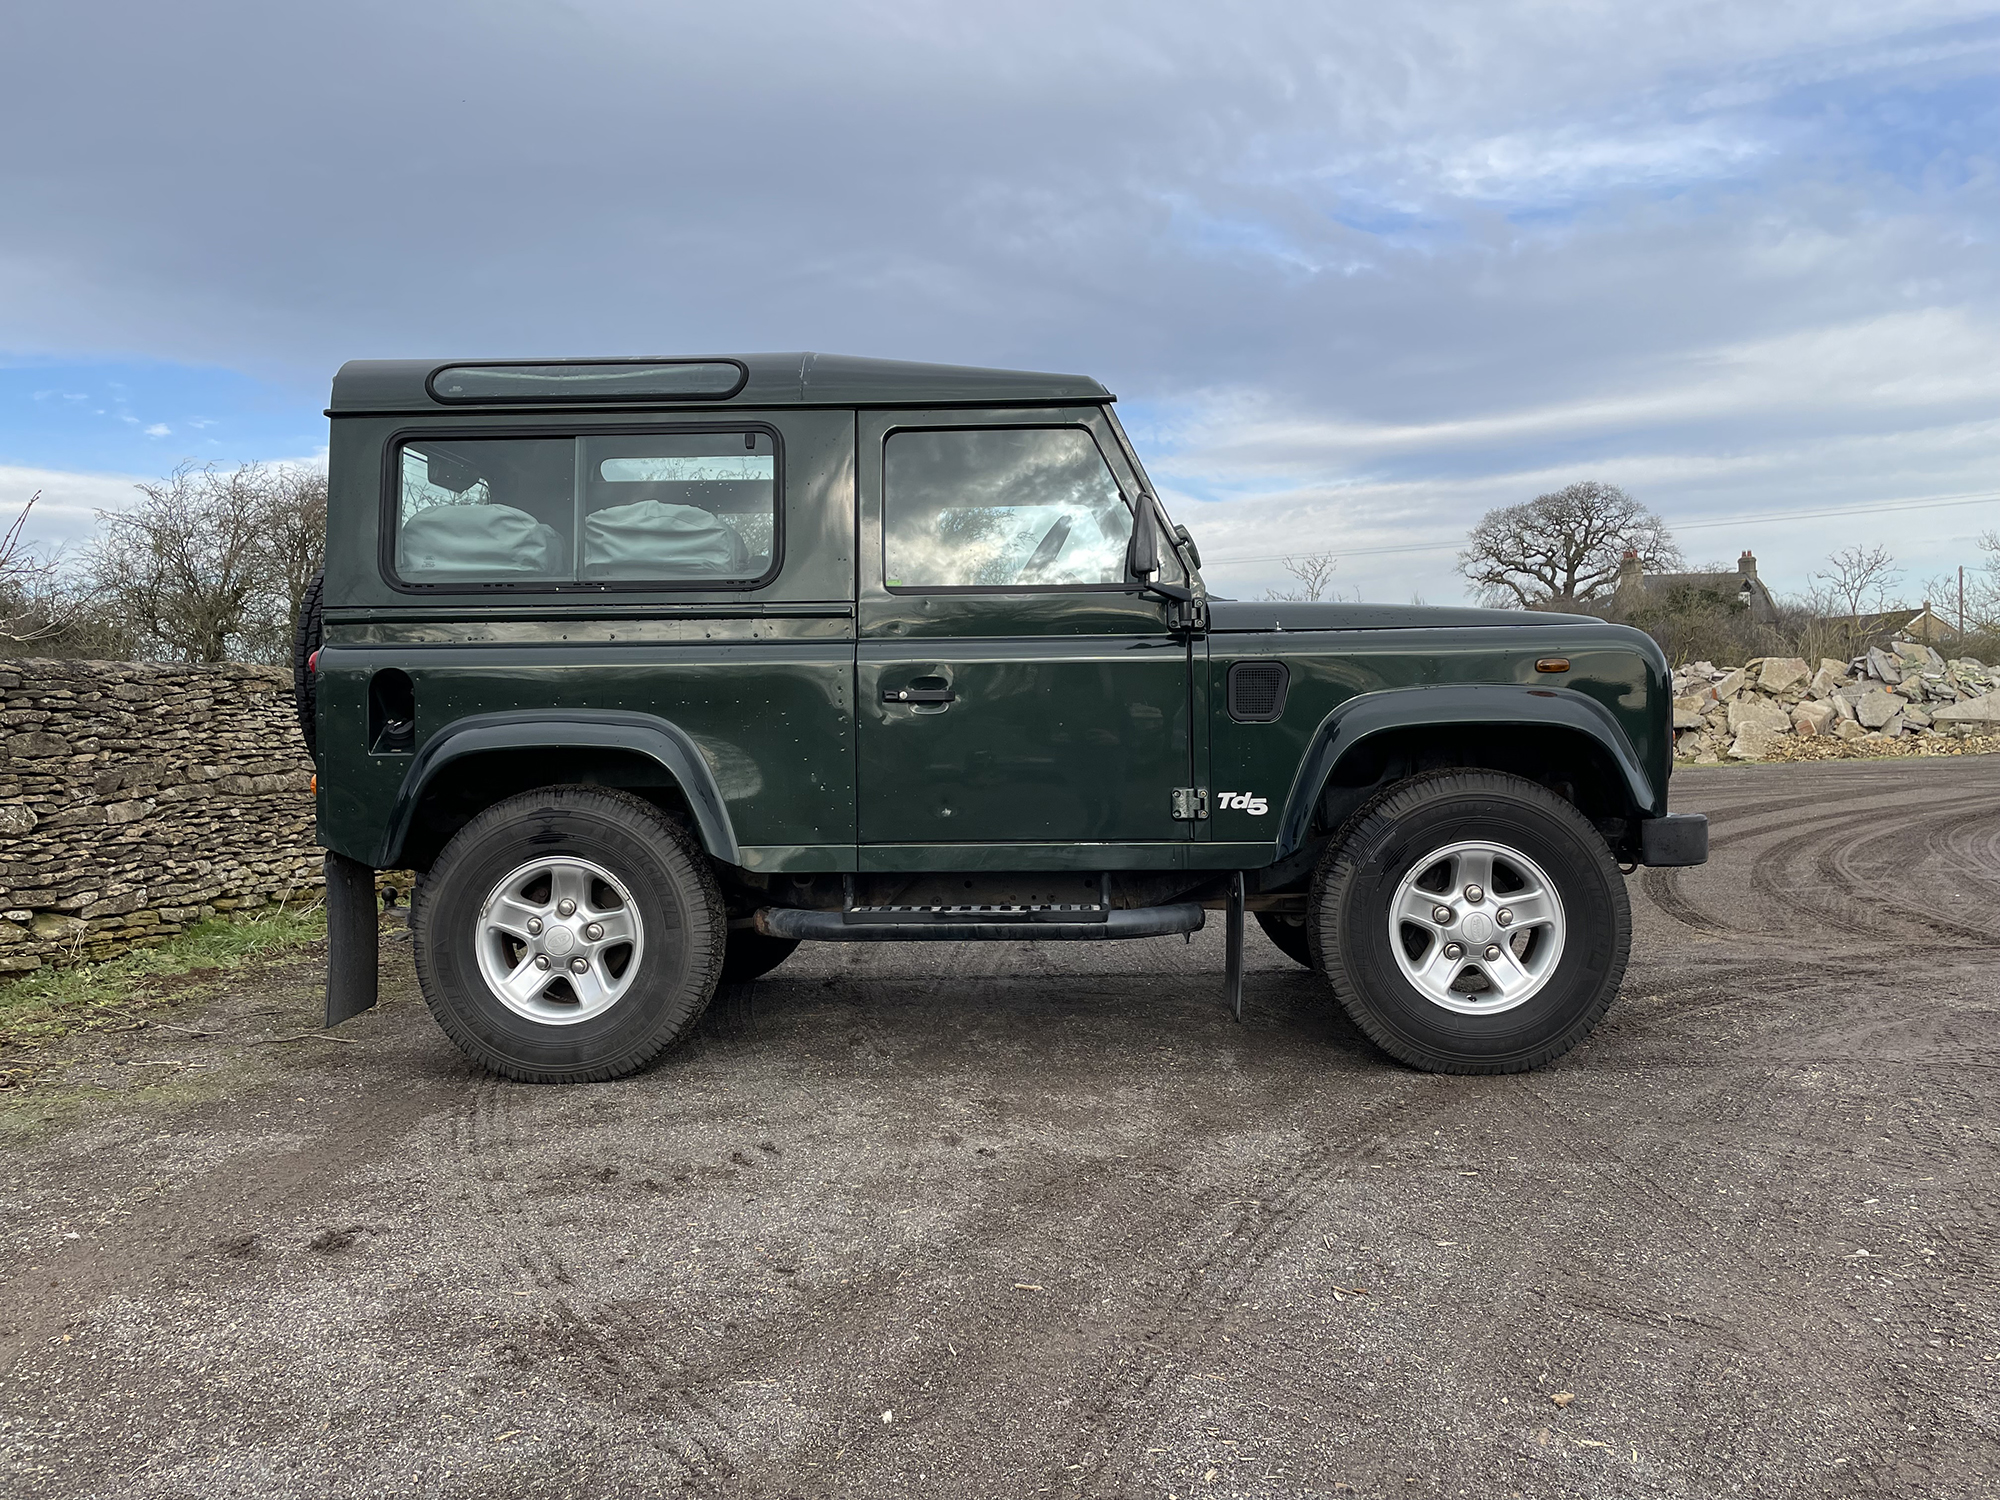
x,y
1961,603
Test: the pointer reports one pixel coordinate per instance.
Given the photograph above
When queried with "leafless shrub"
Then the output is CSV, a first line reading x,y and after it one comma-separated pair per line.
x,y
211,565
1314,572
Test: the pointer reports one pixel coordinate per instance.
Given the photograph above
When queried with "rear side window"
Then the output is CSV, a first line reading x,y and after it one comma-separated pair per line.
x,y
1001,507
683,508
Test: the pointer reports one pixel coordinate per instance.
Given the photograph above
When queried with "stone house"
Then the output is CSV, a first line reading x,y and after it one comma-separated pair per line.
x,y
1635,585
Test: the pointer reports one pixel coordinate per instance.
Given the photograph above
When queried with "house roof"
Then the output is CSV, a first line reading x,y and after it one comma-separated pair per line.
x,y
1727,581
724,380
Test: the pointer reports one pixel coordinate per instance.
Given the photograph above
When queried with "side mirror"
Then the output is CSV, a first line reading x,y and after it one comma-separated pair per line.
x,y
1144,553
1193,552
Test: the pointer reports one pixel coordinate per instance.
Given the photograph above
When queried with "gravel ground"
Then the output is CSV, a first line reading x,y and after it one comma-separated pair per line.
x,y
1001,1221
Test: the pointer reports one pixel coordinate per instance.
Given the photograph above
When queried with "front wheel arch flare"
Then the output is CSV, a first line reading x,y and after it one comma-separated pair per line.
x,y
1456,722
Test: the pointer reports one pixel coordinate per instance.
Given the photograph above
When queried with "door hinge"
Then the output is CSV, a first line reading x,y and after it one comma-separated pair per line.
x,y
1189,618
1190,803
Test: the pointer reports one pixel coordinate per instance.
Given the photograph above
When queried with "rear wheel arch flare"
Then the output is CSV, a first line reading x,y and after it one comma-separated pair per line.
x,y
475,762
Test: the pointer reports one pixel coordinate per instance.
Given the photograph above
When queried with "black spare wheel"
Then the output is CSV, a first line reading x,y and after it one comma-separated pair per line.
x,y
1471,922
307,636
568,935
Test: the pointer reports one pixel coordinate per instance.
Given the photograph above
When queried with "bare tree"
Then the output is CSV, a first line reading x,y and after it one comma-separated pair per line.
x,y
1563,548
23,574
190,566
291,514
1314,572
1844,605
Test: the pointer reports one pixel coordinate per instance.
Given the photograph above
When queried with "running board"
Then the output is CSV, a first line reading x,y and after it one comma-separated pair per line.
x,y
946,925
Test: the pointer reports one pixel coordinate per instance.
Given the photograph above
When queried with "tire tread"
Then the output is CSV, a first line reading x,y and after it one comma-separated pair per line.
x,y
625,807
1336,867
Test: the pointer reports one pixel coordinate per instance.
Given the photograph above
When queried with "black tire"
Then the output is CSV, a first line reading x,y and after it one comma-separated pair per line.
x,y
1358,879
671,886
1288,935
306,640
752,955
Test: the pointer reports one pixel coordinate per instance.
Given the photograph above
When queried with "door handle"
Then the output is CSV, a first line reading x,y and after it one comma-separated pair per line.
x,y
918,695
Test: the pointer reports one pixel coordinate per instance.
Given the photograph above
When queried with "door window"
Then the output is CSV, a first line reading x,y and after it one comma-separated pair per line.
x,y
1001,507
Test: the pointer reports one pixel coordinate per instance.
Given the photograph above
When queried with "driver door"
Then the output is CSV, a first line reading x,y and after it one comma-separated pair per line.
x,y
1014,686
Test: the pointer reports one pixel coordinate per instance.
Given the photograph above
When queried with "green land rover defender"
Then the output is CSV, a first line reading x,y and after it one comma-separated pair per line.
x,y
654,669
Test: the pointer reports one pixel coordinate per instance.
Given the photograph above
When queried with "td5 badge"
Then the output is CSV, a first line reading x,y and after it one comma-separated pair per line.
x,y
1248,802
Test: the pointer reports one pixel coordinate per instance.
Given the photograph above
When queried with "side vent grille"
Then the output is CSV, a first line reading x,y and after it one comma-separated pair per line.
x,y
1257,691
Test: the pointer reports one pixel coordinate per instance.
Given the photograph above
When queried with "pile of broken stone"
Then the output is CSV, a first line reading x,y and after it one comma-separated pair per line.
x,y
1756,711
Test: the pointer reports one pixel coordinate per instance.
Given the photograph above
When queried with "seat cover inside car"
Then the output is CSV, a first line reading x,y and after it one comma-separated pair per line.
x,y
654,539
478,541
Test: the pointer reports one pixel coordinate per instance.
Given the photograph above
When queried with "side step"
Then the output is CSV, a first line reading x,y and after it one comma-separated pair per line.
x,y
978,924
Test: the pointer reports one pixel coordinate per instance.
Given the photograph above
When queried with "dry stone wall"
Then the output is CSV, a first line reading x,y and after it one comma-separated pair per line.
x,y
137,798
1904,691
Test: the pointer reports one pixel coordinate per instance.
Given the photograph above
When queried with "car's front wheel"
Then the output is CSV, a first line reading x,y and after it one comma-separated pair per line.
x,y
569,934
1471,922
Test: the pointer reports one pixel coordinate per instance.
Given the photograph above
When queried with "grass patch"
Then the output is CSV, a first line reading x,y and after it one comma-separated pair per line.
x,y
51,1003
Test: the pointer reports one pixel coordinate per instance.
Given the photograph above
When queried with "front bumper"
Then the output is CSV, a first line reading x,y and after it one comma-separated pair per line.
x,y
1676,839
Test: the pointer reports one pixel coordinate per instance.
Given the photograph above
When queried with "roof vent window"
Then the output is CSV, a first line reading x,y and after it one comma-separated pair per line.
x,y
608,380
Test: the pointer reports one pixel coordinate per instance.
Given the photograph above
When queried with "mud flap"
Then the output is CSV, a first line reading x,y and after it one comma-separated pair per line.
x,y
350,938
1233,932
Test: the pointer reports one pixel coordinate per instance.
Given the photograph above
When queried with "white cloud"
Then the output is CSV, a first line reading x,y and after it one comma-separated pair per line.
x,y
159,430
70,501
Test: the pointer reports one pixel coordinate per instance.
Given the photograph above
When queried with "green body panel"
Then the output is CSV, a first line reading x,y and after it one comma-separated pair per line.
x,y
772,720
1328,668
1076,713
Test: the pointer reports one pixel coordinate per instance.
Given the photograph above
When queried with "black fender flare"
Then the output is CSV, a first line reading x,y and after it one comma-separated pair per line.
x,y
1466,705
648,735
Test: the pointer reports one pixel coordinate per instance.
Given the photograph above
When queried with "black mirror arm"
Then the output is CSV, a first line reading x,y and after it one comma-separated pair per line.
x,y
1187,609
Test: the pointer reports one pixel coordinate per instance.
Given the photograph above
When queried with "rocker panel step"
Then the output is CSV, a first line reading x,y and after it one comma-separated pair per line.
x,y
835,926
877,916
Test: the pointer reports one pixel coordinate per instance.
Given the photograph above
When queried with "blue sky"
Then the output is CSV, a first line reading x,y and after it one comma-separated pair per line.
x,y
1358,272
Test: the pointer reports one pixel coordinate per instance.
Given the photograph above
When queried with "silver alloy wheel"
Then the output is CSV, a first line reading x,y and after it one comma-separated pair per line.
x,y
559,940
1476,927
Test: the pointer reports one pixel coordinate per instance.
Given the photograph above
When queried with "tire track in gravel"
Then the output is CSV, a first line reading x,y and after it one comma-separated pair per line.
x,y
609,1348
237,1199
1839,865
1827,898
1122,1416
1741,819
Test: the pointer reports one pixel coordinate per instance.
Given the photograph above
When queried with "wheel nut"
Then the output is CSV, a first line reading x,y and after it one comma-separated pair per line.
x,y
582,966
534,927
541,960
595,932
1492,952
1441,915
1474,894
1504,916
565,908
1454,950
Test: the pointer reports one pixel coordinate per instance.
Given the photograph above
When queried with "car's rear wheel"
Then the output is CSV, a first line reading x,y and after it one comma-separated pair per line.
x,y
1471,922
1288,935
569,934
752,955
